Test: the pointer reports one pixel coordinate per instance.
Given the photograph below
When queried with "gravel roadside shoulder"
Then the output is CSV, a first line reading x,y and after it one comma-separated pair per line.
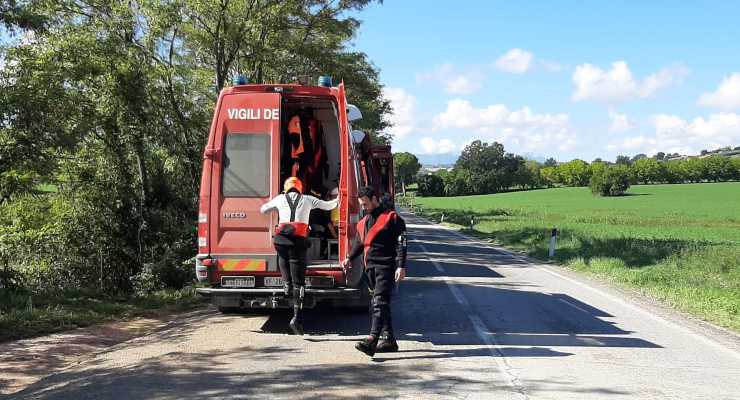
x,y
24,362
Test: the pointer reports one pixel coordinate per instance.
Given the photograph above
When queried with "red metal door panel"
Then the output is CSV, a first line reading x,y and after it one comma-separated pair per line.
x,y
245,173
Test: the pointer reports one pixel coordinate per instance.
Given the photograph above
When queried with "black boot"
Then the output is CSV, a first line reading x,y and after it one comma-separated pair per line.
x,y
296,323
367,345
387,344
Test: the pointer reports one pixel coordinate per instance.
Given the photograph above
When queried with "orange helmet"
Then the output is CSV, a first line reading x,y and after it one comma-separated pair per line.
x,y
293,183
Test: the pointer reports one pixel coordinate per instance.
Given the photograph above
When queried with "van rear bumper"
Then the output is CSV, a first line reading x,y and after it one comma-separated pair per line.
x,y
274,297
277,291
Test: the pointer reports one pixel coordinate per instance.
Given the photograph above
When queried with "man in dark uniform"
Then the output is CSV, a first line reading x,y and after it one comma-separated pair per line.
x,y
381,239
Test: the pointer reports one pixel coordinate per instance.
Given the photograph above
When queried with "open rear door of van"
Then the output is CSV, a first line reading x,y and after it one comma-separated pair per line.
x,y
246,174
349,208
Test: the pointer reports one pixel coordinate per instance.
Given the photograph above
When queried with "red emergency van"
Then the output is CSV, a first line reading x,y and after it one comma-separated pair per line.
x,y
250,151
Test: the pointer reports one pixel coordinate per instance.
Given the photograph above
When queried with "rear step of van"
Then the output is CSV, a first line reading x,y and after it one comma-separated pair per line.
x,y
276,291
275,298
323,264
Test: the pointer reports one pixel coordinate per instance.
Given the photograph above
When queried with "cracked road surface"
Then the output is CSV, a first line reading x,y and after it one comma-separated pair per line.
x,y
473,321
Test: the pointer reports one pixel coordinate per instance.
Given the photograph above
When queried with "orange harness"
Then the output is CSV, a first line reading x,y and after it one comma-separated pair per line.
x,y
382,221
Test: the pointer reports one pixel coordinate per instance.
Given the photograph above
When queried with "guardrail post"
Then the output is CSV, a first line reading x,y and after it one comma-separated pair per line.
x,y
553,236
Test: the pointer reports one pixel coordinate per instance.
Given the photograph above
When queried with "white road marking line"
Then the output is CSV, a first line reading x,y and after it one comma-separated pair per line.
x,y
481,331
615,299
573,305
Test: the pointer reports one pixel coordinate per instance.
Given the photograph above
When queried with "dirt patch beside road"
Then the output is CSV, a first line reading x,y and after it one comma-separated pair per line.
x,y
26,361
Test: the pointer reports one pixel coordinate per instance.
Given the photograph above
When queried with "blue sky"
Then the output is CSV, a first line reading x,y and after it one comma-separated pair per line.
x,y
563,79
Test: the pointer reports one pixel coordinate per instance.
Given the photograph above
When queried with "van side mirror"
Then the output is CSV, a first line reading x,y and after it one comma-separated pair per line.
x,y
353,113
358,136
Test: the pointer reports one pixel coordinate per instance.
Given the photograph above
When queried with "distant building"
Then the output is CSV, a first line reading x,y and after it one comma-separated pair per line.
x,y
430,169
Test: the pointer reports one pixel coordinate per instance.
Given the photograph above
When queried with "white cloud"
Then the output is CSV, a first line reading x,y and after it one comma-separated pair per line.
x,y
620,122
552,66
453,80
674,134
515,61
665,77
404,111
461,85
522,128
617,84
727,95
442,146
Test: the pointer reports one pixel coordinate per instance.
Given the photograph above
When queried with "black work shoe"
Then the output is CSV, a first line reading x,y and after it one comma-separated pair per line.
x,y
387,346
296,326
367,345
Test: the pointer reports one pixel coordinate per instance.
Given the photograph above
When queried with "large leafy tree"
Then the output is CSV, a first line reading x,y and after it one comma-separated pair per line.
x,y
575,173
406,166
491,169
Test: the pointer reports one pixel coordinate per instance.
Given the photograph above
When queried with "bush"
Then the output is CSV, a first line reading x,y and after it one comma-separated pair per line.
x,y
611,181
431,185
458,183
167,272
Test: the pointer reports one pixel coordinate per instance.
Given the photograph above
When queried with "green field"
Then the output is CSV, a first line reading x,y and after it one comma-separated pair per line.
x,y
677,243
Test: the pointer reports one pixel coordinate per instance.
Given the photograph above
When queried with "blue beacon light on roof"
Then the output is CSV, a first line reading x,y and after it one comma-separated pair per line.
x,y
240,80
325,81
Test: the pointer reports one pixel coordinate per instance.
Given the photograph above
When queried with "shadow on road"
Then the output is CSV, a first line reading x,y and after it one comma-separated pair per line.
x,y
201,375
427,312
514,313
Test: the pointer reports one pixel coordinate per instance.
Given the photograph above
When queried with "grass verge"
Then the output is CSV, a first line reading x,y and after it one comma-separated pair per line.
x,y
24,315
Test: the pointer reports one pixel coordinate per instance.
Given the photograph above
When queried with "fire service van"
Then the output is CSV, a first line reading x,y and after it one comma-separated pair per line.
x,y
260,135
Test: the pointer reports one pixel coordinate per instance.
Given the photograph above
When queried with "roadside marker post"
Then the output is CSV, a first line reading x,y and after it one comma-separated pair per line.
x,y
553,236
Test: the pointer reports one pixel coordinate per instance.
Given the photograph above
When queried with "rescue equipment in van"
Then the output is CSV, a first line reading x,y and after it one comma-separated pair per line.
x,y
296,144
318,167
367,238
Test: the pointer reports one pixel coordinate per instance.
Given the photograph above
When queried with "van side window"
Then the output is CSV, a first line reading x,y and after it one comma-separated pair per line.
x,y
246,165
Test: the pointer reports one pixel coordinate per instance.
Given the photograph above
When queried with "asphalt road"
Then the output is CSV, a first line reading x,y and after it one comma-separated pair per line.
x,y
474,322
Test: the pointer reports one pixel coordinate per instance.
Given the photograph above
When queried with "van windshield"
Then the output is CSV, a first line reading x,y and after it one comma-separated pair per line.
x,y
246,166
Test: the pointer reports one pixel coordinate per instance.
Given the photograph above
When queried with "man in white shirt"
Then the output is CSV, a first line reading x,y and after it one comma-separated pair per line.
x,y
290,240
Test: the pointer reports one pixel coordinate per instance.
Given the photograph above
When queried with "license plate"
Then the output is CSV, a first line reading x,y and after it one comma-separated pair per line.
x,y
237,281
273,281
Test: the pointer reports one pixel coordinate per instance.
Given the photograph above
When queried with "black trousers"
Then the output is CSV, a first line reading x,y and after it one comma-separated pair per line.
x,y
292,262
381,280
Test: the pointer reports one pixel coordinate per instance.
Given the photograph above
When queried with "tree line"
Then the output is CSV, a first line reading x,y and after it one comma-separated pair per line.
x,y
484,168
104,112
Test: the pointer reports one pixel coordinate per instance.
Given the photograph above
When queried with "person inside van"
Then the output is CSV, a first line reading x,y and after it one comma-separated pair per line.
x,y
334,215
290,240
